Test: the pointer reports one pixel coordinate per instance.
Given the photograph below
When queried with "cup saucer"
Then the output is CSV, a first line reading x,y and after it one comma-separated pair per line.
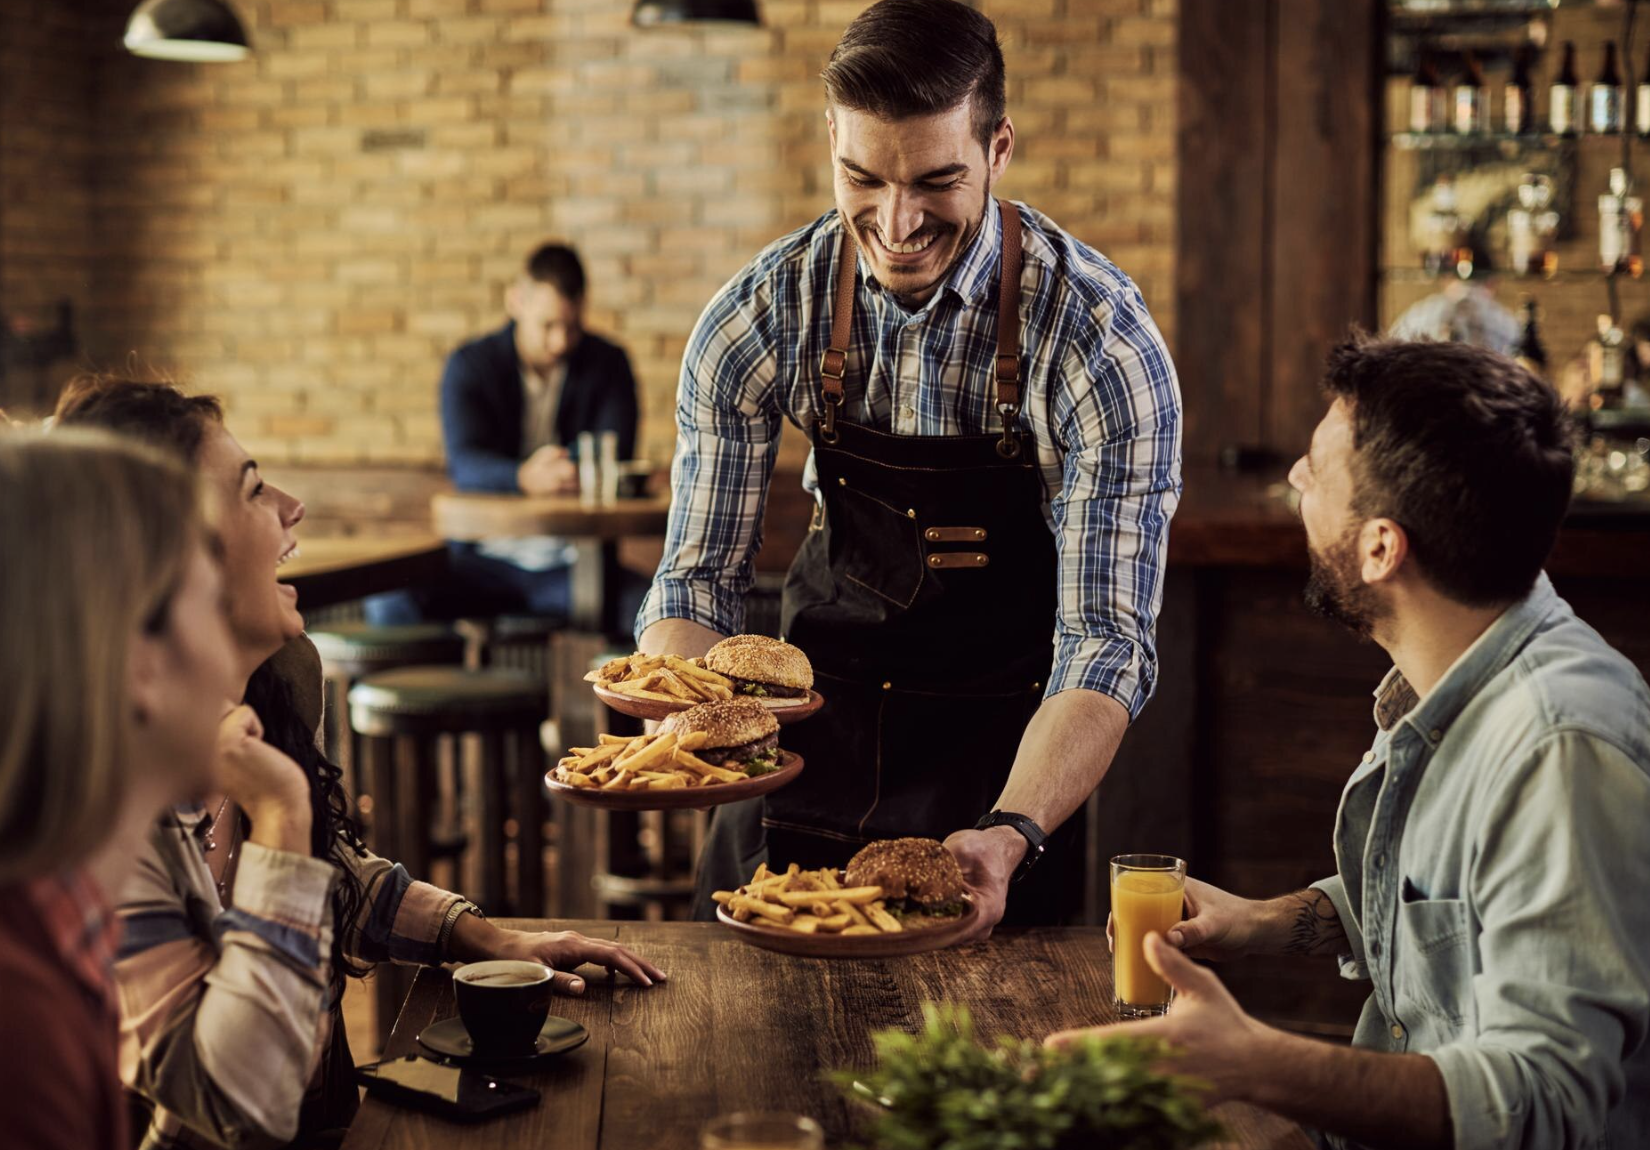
x,y
449,1039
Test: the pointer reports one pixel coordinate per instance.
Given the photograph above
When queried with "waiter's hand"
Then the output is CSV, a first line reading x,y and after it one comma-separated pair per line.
x,y
988,859
548,471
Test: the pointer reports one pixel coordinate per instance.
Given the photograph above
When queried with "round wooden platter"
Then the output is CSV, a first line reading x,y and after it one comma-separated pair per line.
x,y
680,798
658,708
819,945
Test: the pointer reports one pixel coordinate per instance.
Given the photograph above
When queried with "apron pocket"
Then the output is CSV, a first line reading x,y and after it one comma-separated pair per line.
x,y
877,547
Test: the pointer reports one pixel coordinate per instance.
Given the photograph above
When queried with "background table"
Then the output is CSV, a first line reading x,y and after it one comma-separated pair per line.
x,y
595,529
736,1028
329,571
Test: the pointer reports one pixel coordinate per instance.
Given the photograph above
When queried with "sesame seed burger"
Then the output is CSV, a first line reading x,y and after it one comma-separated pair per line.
x,y
763,668
740,734
920,879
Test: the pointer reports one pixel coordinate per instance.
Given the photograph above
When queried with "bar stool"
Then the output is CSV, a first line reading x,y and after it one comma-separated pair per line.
x,y
519,642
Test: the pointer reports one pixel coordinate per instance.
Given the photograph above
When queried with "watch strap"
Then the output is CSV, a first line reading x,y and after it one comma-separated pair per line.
x,y
1035,836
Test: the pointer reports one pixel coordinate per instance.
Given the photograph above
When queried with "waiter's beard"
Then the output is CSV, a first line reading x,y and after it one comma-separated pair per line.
x,y
1335,590
866,234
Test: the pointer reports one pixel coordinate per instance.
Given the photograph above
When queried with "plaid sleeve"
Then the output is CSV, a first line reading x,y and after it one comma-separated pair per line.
x,y
728,425
1118,419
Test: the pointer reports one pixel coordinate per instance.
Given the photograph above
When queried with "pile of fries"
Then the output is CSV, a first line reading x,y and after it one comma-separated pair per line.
x,y
662,678
809,902
644,763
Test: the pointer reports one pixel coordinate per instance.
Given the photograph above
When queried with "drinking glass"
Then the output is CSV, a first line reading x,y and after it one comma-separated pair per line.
x,y
1148,892
761,1130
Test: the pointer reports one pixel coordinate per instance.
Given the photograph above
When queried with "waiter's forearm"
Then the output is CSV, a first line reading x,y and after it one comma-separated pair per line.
x,y
681,637
1066,750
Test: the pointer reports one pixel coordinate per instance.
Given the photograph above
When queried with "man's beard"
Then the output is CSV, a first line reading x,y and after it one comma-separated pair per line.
x,y
970,230
1335,590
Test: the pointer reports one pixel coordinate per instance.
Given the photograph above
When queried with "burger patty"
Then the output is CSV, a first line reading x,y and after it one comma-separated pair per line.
x,y
769,690
720,756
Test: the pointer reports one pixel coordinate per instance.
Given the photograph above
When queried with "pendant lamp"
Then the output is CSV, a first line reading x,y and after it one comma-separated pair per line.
x,y
656,13
197,31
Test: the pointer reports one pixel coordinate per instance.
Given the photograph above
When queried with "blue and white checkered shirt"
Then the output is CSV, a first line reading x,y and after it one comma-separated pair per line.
x,y
1100,401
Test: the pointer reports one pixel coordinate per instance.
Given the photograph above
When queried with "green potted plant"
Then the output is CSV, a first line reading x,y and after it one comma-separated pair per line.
x,y
940,1089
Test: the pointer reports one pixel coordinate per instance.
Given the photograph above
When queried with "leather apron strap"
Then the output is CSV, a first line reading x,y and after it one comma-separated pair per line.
x,y
833,363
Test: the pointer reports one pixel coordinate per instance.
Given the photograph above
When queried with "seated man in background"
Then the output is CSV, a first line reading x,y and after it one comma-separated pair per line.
x,y
1491,849
513,404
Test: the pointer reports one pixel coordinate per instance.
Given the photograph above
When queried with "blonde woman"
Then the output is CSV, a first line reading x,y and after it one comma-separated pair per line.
x,y
112,632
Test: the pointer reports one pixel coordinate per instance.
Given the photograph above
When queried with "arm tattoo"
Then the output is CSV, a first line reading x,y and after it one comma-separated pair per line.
x,y
1314,924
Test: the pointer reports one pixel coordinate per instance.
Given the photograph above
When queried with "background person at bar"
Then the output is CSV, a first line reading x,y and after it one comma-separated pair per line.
x,y
1491,849
233,967
980,595
513,404
115,645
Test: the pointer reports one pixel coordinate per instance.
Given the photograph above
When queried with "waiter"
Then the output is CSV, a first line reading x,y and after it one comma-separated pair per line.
x,y
996,455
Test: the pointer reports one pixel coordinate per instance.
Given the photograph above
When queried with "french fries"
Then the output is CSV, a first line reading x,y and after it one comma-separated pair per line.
x,y
660,762
809,902
663,679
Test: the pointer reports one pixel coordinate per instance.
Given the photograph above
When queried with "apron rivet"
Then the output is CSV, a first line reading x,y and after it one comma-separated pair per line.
x,y
887,685
911,514
841,482
979,534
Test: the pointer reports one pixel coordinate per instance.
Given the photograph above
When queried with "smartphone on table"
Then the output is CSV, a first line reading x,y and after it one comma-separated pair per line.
x,y
453,1092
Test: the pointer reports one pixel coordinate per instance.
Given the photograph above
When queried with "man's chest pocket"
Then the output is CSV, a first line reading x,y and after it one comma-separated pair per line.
x,y
1435,960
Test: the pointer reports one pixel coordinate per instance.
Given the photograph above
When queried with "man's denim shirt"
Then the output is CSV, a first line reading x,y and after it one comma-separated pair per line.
x,y
1493,850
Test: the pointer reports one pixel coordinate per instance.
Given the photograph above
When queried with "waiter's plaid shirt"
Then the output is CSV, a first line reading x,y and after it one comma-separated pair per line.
x,y
1100,401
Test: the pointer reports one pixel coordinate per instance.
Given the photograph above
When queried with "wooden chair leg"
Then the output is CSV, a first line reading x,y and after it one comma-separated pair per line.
x,y
379,763
490,836
529,811
417,760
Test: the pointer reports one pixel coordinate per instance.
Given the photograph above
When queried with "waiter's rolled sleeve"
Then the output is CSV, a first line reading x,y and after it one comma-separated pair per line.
x,y
726,442
1117,411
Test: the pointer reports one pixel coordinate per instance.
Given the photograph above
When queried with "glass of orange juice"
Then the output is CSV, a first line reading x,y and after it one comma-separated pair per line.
x,y
1147,894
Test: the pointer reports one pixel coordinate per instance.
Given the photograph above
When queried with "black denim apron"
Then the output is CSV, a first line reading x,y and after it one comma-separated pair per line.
x,y
924,595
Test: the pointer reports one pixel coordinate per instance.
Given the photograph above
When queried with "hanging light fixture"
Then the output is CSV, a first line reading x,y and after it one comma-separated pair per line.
x,y
198,31
656,13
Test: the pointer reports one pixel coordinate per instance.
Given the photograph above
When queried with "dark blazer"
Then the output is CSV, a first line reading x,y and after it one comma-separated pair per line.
x,y
481,406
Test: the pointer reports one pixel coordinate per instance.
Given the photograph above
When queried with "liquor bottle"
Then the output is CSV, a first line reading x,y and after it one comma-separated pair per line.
x,y
1607,364
1519,103
1426,97
1620,217
1642,110
1604,98
1472,106
1561,99
1529,350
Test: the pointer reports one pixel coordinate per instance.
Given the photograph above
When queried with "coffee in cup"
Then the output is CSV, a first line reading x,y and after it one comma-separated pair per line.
x,y
503,1003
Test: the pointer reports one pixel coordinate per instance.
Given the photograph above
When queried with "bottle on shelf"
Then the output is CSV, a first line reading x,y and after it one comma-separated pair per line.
x,y
1561,98
1620,218
1531,227
1426,96
1518,103
1607,364
1472,105
1641,117
1604,98
1529,350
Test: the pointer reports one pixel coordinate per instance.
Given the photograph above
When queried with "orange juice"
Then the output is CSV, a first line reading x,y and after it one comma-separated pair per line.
x,y
1142,901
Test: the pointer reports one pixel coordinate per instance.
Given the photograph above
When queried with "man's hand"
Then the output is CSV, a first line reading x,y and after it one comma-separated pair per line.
x,y
1213,1039
548,471
987,859
1218,928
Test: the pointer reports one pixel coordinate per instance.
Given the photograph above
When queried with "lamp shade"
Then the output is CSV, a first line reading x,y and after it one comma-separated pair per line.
x,y
656,13
200,31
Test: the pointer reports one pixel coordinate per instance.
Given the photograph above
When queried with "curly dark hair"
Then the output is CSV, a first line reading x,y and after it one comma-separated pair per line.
x,y
162,415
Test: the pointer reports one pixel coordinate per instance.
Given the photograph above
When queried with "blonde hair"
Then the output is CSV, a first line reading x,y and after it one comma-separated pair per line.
x,y
96,534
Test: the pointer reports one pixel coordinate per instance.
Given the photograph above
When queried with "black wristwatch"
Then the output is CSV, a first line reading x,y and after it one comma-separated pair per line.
x,y
1035,837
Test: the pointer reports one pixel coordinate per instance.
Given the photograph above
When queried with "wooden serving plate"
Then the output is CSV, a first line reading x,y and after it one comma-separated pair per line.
x,y
658,709
681,798
920,941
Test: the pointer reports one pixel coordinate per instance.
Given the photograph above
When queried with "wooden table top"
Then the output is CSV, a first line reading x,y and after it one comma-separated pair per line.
x,y
736,1028
328,571
474,516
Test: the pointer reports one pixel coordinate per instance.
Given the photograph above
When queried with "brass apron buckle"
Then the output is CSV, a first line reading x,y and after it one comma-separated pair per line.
x,y
1009,445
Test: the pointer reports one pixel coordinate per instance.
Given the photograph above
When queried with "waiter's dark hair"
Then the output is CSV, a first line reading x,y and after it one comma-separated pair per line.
x,y
904,58
557,265
1466,451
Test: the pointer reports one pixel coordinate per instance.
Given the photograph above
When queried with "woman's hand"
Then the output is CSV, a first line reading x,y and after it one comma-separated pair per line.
x,y
264,783
565,951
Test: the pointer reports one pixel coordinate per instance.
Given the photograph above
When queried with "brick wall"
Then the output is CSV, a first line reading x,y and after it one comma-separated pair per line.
x,y
310,232
46,142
